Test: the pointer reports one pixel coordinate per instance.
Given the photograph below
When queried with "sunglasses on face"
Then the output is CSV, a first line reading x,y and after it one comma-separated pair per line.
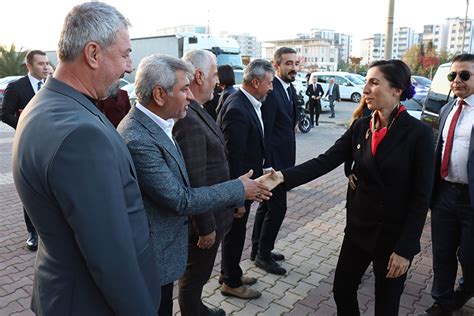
x,y
464,75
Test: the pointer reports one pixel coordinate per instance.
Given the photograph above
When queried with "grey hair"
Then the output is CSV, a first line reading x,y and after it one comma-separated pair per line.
x,y
257,69
157,70
200,59
89,22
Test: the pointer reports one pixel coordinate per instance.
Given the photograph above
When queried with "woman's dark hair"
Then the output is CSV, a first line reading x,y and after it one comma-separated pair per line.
x,y
398,74
226,75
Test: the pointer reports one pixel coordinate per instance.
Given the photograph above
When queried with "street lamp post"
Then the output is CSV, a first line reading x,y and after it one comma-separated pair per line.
x,y
464,27
389,33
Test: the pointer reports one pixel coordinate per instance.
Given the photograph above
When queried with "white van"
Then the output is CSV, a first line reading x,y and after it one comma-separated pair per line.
x,y
350,85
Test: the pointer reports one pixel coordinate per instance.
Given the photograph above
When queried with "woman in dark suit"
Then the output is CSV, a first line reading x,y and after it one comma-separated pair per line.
x,y
393,164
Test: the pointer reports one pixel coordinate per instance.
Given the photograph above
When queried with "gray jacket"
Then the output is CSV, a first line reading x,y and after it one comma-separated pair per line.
x,y
166,192
78,184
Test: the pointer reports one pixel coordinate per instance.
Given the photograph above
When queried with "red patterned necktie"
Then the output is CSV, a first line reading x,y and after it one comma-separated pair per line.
x,y
449,141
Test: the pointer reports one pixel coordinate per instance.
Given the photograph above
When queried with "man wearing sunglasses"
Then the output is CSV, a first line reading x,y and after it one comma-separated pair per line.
x,y
452,204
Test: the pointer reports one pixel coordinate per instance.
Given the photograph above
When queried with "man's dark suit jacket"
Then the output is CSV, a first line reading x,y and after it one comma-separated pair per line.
x,y
443,115
335,92
203,148
279,117
393,191
243,135
319,93
17,95
79,186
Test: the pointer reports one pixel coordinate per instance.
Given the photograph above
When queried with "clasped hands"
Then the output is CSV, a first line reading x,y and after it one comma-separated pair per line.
x,y
259,189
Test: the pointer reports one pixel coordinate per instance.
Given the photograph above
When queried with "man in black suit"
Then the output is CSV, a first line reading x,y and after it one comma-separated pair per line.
x,y
279,112
333,95
242,125
17,96
314,92
452,204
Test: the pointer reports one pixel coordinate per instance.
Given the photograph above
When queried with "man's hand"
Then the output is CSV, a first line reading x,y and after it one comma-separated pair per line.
x,y
271,179
239,212
254,191
397,266
206,241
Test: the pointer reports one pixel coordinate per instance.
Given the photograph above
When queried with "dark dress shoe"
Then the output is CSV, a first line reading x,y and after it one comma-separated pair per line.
x,y
436,310
32,241
274,255
215,312
269,265
461,297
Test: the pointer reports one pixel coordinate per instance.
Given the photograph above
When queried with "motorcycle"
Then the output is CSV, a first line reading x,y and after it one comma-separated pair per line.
x,y
303,119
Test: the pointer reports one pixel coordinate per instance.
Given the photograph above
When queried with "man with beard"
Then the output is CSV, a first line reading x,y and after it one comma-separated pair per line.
x,y
279,114
78,183
242,125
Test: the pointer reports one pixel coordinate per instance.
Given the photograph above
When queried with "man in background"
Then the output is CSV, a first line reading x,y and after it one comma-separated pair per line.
x,y
279,115
17,95
242,124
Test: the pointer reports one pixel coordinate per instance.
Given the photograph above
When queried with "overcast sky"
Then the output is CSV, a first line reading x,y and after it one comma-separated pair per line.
x,y
37,24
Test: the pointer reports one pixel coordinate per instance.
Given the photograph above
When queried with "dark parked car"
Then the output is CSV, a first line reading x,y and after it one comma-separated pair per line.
x,y
438,95
414,105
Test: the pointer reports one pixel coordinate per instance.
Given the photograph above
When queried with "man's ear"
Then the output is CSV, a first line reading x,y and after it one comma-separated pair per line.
x,y
199,77
159,94
91,54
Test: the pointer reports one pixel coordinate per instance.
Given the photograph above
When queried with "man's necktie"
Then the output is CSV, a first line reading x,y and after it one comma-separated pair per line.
x,y
449,141
290,94
40,84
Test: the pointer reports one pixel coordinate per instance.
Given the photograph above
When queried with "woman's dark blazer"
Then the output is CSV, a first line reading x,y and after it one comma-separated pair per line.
x,y
389,206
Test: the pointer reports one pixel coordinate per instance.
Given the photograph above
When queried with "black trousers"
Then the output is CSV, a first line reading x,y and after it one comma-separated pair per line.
x,y
166,304
268,220
351,266
314,111
232,248
452,233
197,273
29,225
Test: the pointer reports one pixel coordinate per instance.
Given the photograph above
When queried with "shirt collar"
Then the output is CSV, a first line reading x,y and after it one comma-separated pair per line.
x,y
165,125
252,99
467,101
34,82
283,83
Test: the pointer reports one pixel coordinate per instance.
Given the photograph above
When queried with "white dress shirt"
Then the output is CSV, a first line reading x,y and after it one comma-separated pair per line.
x,y
457,171
285,86
165,125
256,106
34,82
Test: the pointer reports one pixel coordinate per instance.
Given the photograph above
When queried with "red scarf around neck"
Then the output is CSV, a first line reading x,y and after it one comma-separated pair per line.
x,y
378,134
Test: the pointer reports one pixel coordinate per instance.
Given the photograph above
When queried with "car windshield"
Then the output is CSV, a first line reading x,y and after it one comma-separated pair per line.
x,y
422,80
355,79
233,60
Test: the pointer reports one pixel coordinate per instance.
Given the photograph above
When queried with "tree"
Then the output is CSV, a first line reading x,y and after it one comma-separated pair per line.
x,y
430,60
12,63
412,58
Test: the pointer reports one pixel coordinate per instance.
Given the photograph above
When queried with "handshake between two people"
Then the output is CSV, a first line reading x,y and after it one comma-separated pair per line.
x,y
259,189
